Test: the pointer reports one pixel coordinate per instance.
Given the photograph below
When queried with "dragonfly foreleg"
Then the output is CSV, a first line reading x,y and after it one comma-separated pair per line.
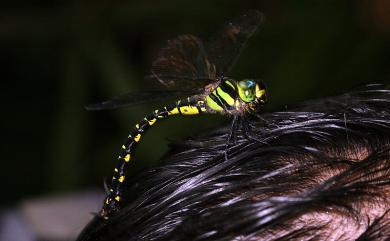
x,y
249,130
231,136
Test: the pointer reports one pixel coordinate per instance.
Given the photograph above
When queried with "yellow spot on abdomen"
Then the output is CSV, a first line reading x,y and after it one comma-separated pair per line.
x,y
202,107
117,198
189,110
121,178
127,158
137,137
152,121
174,111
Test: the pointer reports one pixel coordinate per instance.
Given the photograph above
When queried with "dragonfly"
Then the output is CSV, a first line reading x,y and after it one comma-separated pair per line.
x,y
196,68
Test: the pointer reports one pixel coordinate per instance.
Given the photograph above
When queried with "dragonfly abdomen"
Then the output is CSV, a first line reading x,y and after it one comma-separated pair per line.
x,y
189,106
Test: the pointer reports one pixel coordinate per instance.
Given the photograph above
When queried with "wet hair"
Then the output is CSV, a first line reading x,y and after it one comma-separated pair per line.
x,y
319,171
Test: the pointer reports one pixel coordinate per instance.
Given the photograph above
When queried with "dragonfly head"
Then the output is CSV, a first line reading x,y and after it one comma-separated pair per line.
x,y
252,92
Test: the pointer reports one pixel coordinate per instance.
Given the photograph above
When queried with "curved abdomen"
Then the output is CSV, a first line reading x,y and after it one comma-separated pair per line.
x,y
189,106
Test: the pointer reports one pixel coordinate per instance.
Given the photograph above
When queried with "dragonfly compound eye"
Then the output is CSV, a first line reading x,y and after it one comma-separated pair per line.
x,y
247,90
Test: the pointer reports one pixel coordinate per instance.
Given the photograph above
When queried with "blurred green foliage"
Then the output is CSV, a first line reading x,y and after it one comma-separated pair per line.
x,y
58,56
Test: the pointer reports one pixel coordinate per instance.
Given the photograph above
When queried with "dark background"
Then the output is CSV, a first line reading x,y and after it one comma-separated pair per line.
x,y
57,56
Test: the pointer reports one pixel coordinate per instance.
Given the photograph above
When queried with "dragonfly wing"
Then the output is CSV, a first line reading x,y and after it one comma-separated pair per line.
x,y
183,64
225,47
138,98
187,62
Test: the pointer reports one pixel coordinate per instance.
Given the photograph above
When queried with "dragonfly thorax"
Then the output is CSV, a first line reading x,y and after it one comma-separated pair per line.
x,y
236,97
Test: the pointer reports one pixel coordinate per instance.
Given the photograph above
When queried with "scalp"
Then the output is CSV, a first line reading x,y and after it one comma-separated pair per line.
x,y
320,171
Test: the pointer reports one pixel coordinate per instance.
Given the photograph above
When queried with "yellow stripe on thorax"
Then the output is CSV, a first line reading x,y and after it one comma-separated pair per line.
x,y
212,104
230,84
225,96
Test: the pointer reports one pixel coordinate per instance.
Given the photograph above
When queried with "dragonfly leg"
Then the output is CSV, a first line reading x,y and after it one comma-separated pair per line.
x,y
262,119
231,136
248,130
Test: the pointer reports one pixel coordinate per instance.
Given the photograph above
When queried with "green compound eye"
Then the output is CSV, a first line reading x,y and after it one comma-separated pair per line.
x,y
247,90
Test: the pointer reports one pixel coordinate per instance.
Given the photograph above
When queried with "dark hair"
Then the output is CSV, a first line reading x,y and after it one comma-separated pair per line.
x,y
315,172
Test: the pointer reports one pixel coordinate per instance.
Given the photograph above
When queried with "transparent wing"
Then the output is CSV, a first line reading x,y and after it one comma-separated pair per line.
x,y
138,98
224,48
187,62
183,64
